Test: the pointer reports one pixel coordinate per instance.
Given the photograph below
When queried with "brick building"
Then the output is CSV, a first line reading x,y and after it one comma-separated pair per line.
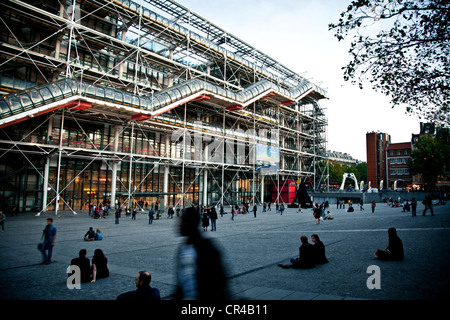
x,y
398,175
376,144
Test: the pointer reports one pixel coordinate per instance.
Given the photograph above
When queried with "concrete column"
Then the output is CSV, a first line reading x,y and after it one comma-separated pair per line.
x,y
166,185
262,188
166,172
58,175
205,176
46,168
205,186
114,169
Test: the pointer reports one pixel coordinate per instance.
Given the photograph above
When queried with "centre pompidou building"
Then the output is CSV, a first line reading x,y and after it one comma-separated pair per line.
x,y
141,102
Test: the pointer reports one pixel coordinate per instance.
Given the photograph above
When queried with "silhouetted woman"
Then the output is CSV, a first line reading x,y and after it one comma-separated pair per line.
x,y
394,251
318,250
99,265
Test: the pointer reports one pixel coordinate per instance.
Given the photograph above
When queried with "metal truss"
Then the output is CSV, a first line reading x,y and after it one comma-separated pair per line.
x,y
146,50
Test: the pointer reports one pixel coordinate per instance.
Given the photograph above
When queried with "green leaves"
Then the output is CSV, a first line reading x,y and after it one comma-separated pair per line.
x,y
430,159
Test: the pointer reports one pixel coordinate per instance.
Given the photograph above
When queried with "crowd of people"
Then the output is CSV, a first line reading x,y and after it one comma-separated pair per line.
x,y
200,272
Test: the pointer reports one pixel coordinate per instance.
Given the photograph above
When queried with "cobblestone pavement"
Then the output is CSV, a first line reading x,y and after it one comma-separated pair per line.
x,y
252,248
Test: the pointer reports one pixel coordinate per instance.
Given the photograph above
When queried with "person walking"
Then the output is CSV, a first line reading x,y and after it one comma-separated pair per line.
x,y
151,215
213,217
117,215
361,204
373,206
49,236
232,213
428,205
317,213
2,220
14,210
200,272
255,208
170,213
205,220
413,206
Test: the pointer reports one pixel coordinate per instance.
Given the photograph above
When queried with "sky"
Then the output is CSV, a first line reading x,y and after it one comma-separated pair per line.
x,y
295,33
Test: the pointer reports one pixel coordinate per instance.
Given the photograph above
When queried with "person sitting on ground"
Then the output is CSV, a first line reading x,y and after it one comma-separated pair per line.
x,y
305,260
328,216
90,235
394,251
84,264
319,250
99,265
350,208
98,234
143,291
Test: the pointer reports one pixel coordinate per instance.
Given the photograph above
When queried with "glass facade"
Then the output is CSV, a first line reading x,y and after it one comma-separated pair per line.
x,y
86,178
93,116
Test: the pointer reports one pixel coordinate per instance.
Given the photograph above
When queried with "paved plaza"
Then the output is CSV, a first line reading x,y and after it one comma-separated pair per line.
x,y
251,247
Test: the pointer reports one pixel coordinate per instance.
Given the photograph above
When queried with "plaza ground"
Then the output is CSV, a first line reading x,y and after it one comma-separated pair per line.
x,y
251,247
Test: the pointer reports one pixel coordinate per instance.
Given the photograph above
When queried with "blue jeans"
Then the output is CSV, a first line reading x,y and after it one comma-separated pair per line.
x,y
47,246
213,224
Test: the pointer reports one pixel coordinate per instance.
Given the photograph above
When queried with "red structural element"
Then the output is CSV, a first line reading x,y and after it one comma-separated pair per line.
x,y
270,94
82,105
203,97
234,107
284,192
140,117
288,103
75,105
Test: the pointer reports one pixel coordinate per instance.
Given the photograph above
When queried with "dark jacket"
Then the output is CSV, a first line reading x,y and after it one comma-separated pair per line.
x,y
148,293
213,214
306,254
395,248
319,252
211,277
85,268
101,263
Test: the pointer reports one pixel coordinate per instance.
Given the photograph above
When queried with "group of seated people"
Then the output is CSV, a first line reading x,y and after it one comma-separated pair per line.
x,y
92,235
313,254
309,255
98,270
